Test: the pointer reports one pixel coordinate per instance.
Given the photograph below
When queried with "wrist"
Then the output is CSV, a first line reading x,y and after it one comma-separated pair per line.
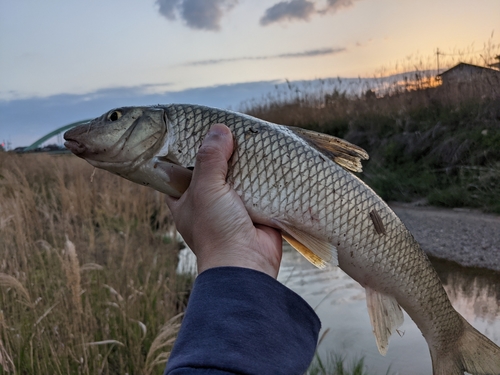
x,y
254,262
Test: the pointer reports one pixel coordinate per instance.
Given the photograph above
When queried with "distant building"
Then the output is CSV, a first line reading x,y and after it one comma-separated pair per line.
x,y
463,73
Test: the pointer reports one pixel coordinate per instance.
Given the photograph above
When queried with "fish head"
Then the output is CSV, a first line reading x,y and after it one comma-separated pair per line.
x,y
121,139
129,142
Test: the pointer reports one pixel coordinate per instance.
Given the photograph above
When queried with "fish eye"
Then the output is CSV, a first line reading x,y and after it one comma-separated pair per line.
x,y
115,115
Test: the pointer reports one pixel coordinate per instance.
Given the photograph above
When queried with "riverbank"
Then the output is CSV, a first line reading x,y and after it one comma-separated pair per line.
x,y
441,144
468,237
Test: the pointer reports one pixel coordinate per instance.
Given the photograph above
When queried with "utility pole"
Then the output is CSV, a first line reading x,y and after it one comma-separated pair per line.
x,y
437,58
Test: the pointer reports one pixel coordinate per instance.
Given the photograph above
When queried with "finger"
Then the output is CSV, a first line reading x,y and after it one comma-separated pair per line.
x,y
210,170
212,157
170,201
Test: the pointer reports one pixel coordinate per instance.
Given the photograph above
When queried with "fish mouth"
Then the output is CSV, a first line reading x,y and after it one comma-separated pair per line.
x,y
72,143
75,147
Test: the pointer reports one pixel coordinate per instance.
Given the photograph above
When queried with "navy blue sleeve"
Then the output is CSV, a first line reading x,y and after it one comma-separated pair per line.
x,y
241,321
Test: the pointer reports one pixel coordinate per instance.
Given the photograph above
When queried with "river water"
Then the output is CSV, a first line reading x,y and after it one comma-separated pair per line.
x,y
340,303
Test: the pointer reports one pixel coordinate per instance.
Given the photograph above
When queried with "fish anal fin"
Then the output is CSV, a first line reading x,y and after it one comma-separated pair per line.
x,y
315,250
342,152
385,316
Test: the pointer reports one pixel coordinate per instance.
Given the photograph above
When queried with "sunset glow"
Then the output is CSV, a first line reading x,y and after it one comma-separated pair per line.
x,y
160,46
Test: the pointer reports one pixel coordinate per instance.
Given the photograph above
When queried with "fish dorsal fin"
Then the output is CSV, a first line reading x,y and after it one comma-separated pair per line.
x,y
339,150
316,251
385,315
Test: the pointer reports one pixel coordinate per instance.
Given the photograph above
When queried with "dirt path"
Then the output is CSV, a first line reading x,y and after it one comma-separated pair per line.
x,y
468,237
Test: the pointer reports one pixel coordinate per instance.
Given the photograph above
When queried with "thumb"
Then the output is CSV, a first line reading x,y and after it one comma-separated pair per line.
x,y
213,155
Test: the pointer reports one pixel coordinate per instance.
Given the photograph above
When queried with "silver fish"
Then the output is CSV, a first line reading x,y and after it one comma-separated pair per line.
x,y
300,182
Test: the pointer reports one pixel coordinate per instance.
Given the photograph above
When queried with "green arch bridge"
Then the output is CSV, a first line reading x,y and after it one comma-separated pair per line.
x,y
39,142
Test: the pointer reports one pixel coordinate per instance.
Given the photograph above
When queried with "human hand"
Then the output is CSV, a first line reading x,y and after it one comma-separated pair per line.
x,y
212,219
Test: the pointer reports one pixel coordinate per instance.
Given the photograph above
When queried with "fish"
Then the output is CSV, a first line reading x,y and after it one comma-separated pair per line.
x,y
304,184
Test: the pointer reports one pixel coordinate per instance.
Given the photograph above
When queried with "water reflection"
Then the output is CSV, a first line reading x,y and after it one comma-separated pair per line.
x,y
475,293
340,303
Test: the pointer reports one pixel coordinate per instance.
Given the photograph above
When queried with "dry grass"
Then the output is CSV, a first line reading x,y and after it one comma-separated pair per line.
x,y
395,90
87,279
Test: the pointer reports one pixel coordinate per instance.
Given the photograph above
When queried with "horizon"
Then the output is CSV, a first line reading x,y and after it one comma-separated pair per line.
x,y
47,113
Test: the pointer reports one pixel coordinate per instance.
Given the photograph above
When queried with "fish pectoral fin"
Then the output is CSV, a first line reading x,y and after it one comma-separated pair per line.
x,y
316,251
385,316
343,153
175,176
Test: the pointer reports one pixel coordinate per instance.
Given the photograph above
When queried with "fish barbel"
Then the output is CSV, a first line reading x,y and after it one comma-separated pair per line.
x,y
300,182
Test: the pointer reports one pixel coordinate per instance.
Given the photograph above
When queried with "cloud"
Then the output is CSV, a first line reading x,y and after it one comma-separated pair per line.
x,y
167,8
197,14
300,10
288,10
334,5
314,52
22,127
310,53
208,14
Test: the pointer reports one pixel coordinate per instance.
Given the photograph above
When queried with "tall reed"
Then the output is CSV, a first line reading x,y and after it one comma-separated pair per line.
x,y
87,271
425,140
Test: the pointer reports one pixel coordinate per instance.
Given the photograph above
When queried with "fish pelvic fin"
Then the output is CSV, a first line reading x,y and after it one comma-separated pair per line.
x,y
344,153
385,316
474,353
306,253
175,178
315,250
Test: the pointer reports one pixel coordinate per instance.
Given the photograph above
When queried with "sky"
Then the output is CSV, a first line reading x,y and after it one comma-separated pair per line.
x,y
65,60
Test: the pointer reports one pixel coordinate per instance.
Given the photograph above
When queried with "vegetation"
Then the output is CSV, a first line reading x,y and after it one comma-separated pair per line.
x,y
335,365
87,273
441,143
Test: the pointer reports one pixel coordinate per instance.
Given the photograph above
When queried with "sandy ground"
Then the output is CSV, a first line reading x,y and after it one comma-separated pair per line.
x,y
468,237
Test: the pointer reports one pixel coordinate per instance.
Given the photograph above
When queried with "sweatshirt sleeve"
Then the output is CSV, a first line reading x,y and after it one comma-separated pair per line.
x,y
241,321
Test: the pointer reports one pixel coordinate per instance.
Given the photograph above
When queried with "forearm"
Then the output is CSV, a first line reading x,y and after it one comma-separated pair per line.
x,y
241,321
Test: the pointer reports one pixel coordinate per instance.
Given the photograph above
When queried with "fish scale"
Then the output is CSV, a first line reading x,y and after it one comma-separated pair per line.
x,y
300,182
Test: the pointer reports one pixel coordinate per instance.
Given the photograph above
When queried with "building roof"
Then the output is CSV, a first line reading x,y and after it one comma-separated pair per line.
x,y
463,65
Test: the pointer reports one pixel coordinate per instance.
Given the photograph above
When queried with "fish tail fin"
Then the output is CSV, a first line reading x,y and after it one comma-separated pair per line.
x,y
474,353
